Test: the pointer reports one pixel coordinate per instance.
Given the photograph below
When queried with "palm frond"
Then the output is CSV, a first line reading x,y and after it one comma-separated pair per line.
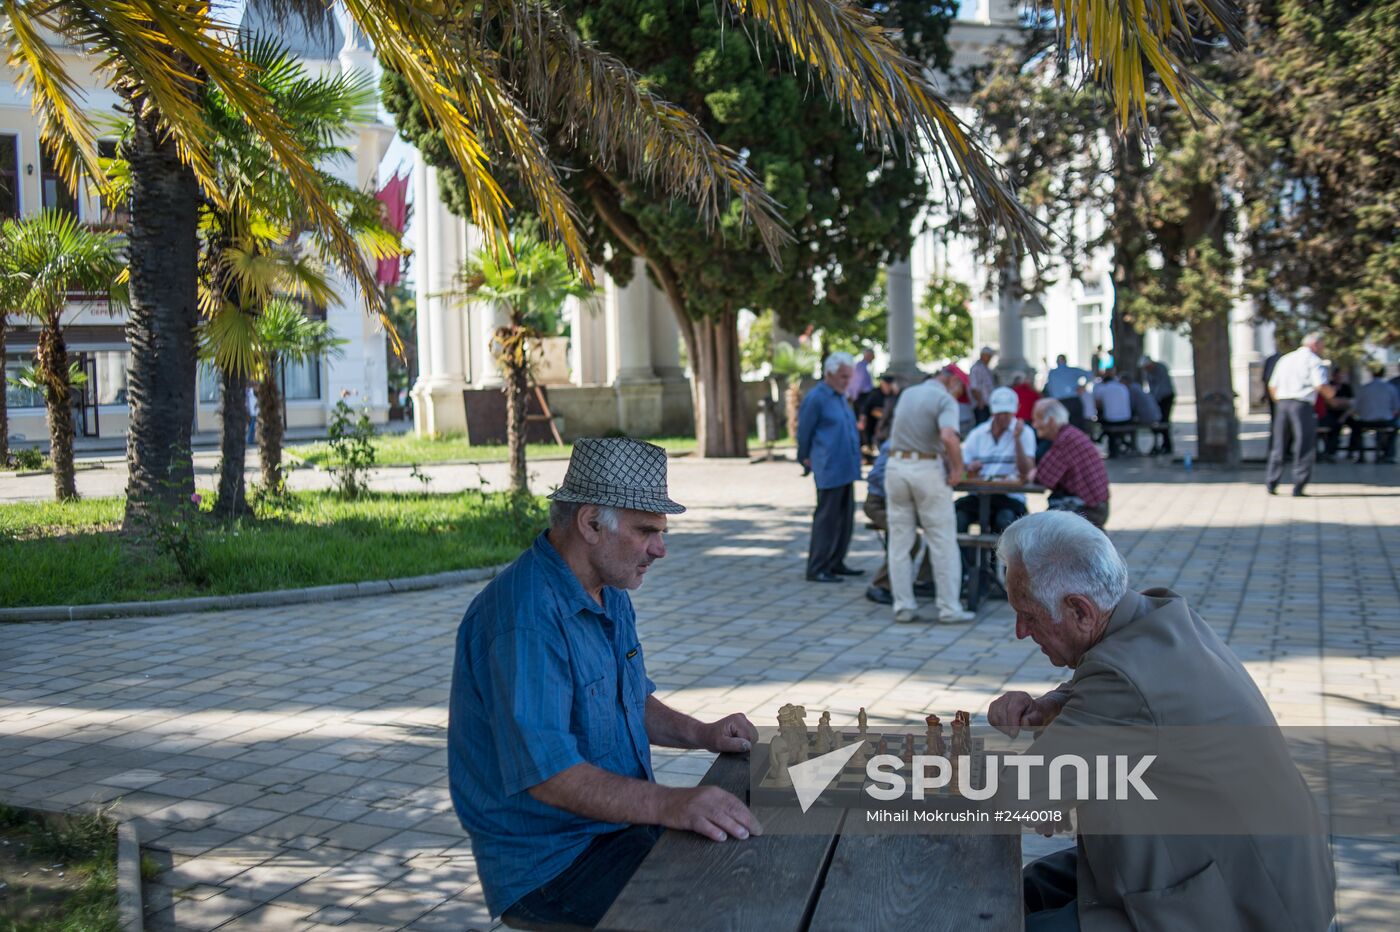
x,y
1118,41
597,97
887,95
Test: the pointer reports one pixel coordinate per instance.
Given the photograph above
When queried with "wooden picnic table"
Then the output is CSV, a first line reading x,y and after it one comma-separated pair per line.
x,y
820,881
985,542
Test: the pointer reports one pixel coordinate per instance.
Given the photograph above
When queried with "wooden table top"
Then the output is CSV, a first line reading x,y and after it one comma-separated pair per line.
x,y
821,880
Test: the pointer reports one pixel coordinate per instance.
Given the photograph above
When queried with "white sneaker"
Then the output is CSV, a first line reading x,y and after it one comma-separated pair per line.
x,y
910,616
959,617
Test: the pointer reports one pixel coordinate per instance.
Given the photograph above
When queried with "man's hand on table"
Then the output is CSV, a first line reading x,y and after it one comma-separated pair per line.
x,y
732,734
1017,710
709,811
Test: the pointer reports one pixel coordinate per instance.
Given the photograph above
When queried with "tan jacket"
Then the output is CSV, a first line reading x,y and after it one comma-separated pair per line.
x,y
1160,664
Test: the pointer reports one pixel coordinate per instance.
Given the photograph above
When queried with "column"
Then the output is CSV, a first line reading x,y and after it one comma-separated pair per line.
x,y
665,336
588,336
437,395
1011,354
629,327
899,300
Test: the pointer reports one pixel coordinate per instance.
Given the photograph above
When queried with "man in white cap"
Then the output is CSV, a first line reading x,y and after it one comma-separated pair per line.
x,y
552,713
1002,448
980,384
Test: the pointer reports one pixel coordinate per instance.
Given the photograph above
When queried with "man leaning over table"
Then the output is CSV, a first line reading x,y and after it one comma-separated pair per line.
x,y
1144,661
552,714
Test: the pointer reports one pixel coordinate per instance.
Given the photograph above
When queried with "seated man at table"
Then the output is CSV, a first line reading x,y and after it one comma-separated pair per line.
x,y
1072,468
1002,448
1114,404
1377,409
552,713
1142,661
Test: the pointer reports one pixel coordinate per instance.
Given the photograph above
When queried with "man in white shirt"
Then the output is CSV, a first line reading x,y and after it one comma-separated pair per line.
x,y
1297,380
1002,448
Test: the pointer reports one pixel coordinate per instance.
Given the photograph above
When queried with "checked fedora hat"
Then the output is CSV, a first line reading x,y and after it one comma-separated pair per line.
x,y
617,472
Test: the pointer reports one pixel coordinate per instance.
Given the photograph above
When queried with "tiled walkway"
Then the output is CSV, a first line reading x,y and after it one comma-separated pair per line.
x,y
288,765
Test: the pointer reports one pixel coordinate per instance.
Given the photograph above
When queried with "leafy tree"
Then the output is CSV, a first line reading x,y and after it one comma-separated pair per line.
x,y
945,331
530,281
42,259
756,349
1319,176
868,326
402,311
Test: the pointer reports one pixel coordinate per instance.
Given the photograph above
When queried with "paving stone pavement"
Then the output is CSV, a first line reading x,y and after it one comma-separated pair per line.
x,y
287,767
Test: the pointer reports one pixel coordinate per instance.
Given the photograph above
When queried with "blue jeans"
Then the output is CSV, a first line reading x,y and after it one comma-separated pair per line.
x,y
252,428
580,896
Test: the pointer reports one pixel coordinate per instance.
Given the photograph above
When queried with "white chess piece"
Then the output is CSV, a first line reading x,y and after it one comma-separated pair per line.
x,y
778,762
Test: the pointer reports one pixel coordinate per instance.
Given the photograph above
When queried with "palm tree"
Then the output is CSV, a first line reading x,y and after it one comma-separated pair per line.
x,y
284,334
253,246
530,281
486,73
42,259
793,363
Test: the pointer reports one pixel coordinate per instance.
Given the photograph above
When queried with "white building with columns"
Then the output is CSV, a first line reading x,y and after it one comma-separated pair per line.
x,y
95,331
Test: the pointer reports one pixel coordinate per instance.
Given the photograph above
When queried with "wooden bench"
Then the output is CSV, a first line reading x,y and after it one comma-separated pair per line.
x,y
827,879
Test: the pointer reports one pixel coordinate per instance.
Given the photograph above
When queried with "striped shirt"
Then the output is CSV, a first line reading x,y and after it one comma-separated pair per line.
x,y
544,678
1073,466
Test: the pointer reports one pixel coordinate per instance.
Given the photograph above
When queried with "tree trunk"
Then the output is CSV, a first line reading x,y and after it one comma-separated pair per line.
x,y
270,428
517,387
161,329
53,370
1217,426
721,421
233,447
794,402
4,405
1129,246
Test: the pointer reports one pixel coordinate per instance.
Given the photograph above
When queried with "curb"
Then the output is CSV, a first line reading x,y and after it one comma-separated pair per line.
x,y
276,597
129,910
85,466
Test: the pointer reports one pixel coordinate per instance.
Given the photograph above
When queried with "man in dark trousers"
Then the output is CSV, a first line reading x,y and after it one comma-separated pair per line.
x,y
1295,384
829,445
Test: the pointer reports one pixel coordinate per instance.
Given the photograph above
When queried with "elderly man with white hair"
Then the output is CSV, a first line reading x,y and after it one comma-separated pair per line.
x,y
1298,378
828,444
1143,660
1071,469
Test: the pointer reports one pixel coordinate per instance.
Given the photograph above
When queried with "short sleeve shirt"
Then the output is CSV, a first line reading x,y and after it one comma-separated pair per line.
x,y
544,678
997,455
922,412
1297,375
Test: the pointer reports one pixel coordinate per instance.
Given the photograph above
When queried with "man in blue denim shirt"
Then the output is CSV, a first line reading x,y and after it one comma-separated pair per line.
x,y
552,712
829,445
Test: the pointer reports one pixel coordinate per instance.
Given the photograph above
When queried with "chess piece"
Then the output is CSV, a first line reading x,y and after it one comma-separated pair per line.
x,y
962,733
862,720
778,762
933,737
909,750
826,738
884,747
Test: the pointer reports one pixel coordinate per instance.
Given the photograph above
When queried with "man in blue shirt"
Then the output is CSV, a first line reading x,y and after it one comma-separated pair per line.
x,y
1065,384
552,714
829,445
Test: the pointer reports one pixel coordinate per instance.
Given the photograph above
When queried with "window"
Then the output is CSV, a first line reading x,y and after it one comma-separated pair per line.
x,y
1035,330
15,395
113,214
112,366
57,194
302,380
9,176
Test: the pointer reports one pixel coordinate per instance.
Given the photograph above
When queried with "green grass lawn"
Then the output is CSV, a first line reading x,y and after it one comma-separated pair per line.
x,y
72,554
408,449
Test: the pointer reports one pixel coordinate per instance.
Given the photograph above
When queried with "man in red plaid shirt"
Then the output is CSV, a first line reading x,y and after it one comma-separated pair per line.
x,y
1072,468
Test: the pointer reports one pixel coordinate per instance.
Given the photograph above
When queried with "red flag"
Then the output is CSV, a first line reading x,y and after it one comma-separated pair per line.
x,y
394,198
